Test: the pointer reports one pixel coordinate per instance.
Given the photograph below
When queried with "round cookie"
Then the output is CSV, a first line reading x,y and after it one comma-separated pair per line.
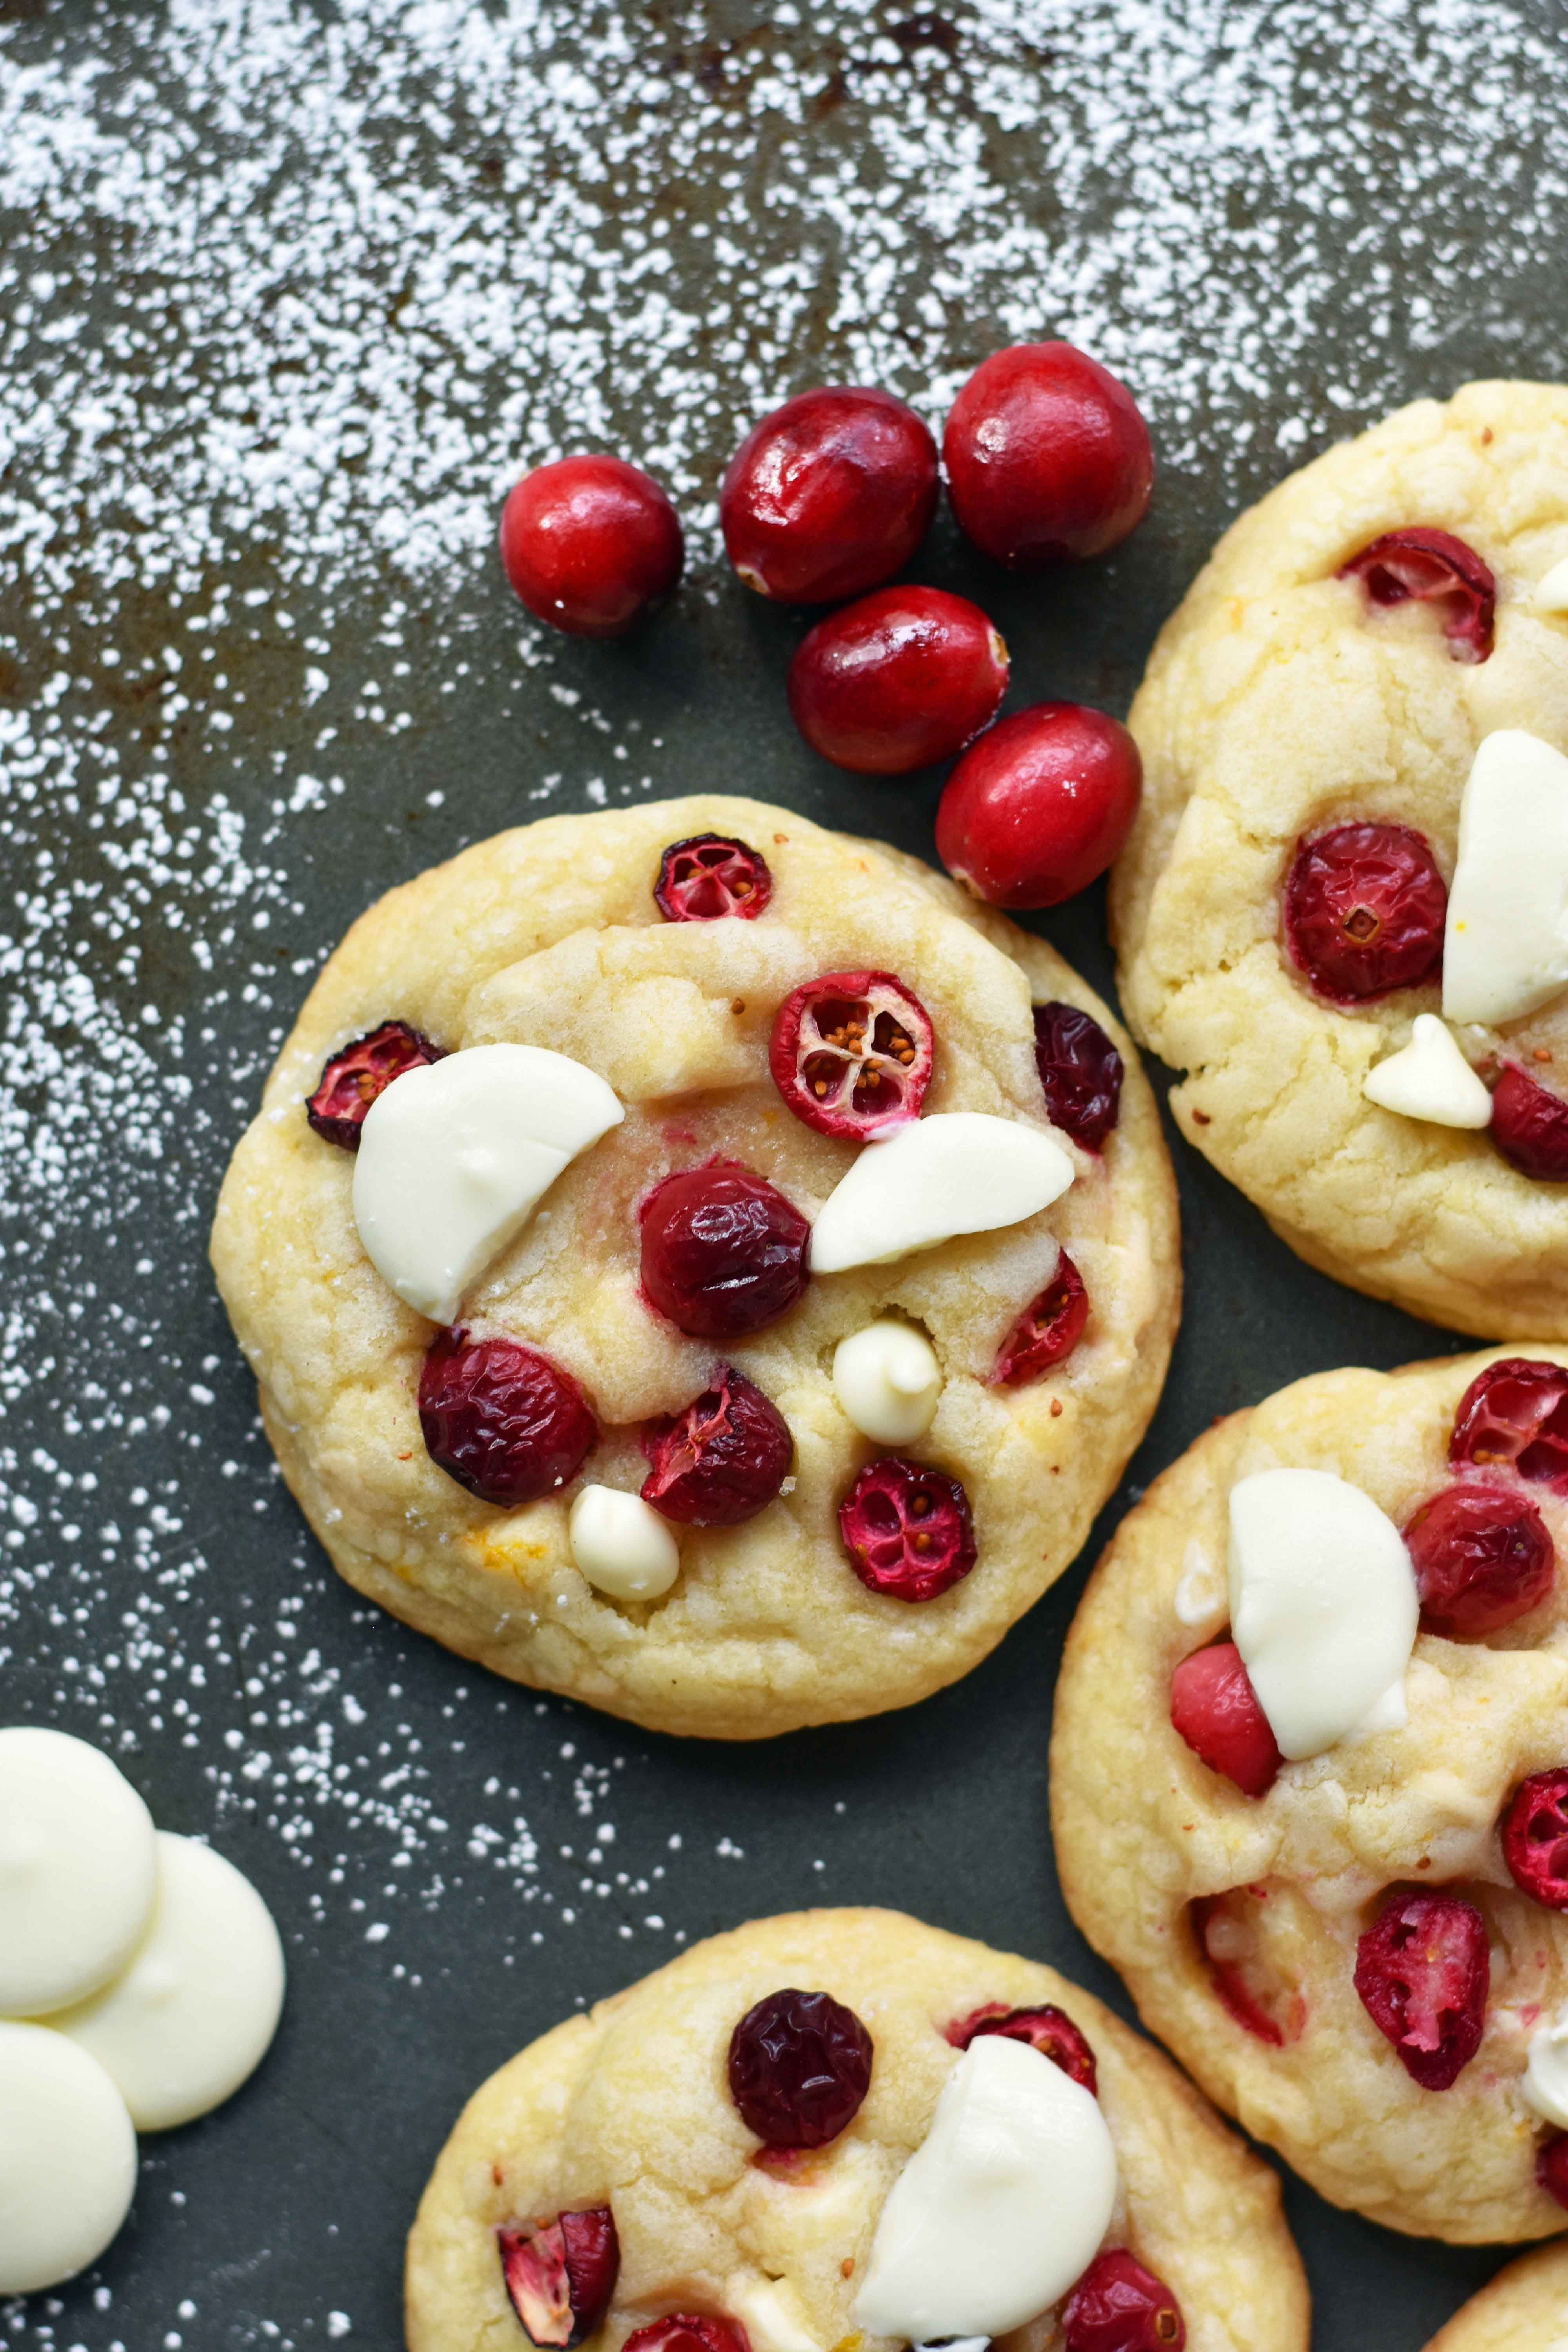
x,y
1524,2309
550,936
1281,703
629,2105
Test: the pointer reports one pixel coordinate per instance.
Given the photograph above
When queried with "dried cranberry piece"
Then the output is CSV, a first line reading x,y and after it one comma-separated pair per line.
x,y
709,877
722,1252
560,2275
590,543
902,679
352,1078
1081,1071
1216,1709
1047,2029
504,1421
828,495
1535,1838
1529,1127
1227,1932
852,1054
688,2331
1514,1416
1432,565
1482,1557
1047,1333
1365,911
907,1530
800,2066
1551,2167
1423,1972
1119,2307
1040,805
1047,456
721,1460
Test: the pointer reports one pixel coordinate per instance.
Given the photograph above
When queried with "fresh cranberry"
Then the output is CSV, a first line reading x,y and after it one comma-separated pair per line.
x,y
560,2275
1040,805
501,1419
1365,911
1047,1333
1081,1071
688,2331
352,1078
1047,456
589,543
1423,1973
1551,2167
1514,1416
828,495
1428,565
1482,1557
1119,2307
721,1460
1048,2029
852,1054
1529,1127
907,1530
1215,1708
1535,1838
722,1252
800,2066
710,875
1226,1929
903,677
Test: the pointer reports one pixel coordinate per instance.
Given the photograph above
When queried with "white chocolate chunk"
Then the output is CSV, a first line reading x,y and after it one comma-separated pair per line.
x,y
959,1171
887,1379
455,1155
999,2209
68,2159
767,2310
77,1870
622,1545
1505,950
1322,1606
1545,2084
1552,594
1429,1079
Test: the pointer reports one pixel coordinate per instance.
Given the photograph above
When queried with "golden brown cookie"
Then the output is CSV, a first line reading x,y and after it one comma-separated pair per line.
x,y
1524,2309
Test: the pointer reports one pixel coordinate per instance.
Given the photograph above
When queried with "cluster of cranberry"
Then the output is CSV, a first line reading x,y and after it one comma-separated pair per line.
x,y
1047,460
799,2068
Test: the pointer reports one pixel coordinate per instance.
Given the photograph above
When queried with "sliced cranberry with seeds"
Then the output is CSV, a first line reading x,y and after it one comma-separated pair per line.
x,y
1535,1838
688,2331
1529,1127
907,1530
1514,1416
1216,1709
352,1078
1432,566
800,2066
1081,1071
1047,1333
1423,1972
1047,2029
1551,2168
1365,911
505,1420
852,1054
721,1460
560,2275
1482,1557
722,1252
1226,1927
1119,2306
709,877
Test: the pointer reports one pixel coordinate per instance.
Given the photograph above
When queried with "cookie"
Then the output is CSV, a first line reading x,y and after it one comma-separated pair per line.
x,y
667,2126
814,1544
1361,1953
1293,902
1524,2309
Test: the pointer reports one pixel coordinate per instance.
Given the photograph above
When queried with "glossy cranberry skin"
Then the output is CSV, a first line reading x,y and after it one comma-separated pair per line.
x,y
1040,805
709,877
828,496
1047,2029
501,1419
560,2276
907,1530
1514,1416
852,1054
1047,1333
1535,1838
722,1460
590,543
1081,1071
1119,2307
1423,1972
1432,565
1215,1710
352,1078
903,677
1364,907
1551,2168
1209,1914
1482,1557
1047,456
722,1252
800,2066
685,2331
1529,1127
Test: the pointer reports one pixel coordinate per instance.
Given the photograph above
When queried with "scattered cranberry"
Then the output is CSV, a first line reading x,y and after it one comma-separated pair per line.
x,y
1551,2167
1048,2029
589,543
1225,1931
1428,565
903,678
721,1460
1047,1333
1529,1127
1423,1973
1040,805
800,2066
1535,1838
707,877
352,1078
722,1252
828,496
907,1530
1047,456
1514,1416
852,1053
687,2331
1081,1071
560,2275
501,1419
1119,2307
1482,1557
1215,1708
1365,911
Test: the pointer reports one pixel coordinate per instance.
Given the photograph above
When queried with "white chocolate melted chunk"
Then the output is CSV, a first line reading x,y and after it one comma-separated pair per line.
x,y
1429,1080
1505,950
959,1171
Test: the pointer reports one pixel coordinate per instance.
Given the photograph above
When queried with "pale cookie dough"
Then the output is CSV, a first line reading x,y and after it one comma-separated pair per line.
x,y
550,936
629,2105
1280,703
1524,2309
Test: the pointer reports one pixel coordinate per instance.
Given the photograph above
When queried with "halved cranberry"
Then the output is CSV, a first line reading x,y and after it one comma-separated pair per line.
x,y
1423,1972
852,1054
561,2275
800,2066
1047,2029
1514,1416
1226,1929
352,1078
722,1252
1047,1333
590,543
1551,2167
721,1460
1482,1557
1529,1127
1215,1708
1365,911
1047,456
1119,2307
1431,564
688,2331
828,495
902,679
1535,1838
1081,1071
709,877
504,1421
907,1530
1040,805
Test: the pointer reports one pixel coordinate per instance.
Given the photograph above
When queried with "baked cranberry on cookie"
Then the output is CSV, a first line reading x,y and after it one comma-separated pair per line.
x,y
694,1261
1523,2309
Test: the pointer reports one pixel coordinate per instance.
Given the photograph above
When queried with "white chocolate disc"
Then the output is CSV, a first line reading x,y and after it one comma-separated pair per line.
x,y
622,1545
77,1870
1505,950
68,2158
888,1381
959,1171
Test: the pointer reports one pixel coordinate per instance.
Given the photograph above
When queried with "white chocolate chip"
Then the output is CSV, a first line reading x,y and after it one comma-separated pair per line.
x,y
1429,1080
1545,2084
1552,594
767,2310
622,1545
960,1172
1505,950
887,1379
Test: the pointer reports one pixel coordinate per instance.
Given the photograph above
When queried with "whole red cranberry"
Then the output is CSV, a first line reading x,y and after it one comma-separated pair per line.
x,y
589,543
1529,1127
1047,2029
561,2275
1047,456
800,2066
1081,1071
710,876
1482,1557
1364,907
1220,1924
1119,2307
1514,1416
1047,1333
1535,1838
907,1530
1215,1710
501,1419
1039,805
721,1460
1428,565
352,1078
722,1252
903,677
1551,2167
852,1054
687,2331
828,495
1423,1972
